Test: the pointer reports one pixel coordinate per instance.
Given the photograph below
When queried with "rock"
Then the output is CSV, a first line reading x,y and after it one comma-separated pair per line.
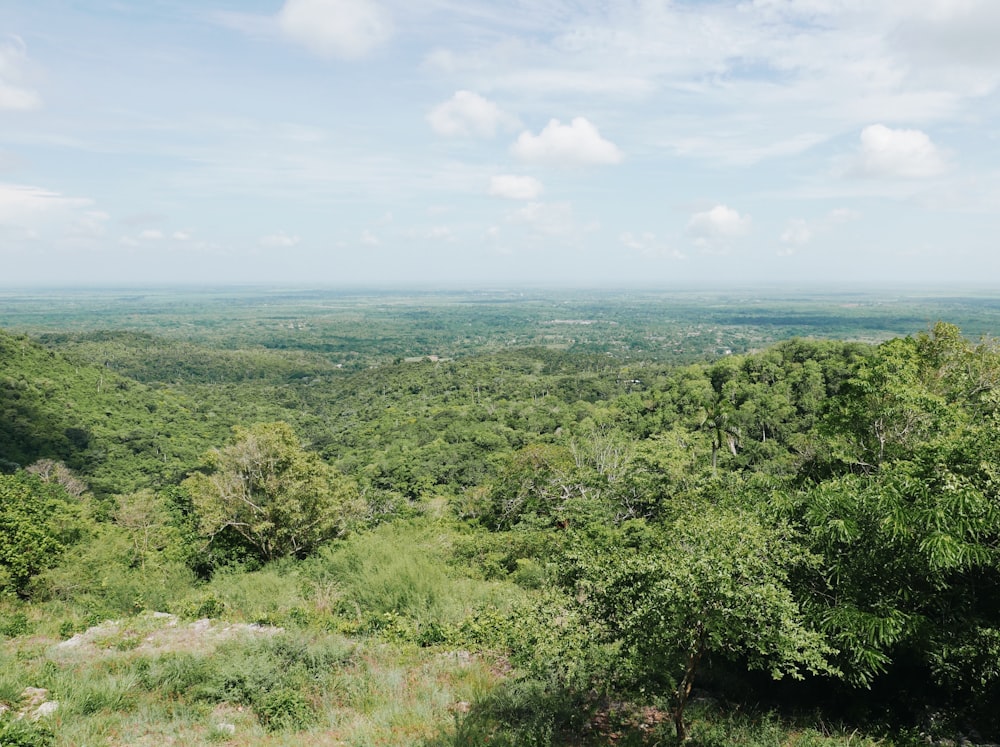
x,y
226,728
45,709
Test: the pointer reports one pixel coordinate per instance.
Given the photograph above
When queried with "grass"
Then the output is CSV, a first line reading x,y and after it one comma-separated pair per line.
x,y
176,679
382,639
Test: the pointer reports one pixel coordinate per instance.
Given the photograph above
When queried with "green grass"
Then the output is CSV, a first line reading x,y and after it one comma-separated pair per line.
x,y
354,662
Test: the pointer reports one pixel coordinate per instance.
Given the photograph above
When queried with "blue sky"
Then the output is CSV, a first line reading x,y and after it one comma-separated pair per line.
x,y
466,142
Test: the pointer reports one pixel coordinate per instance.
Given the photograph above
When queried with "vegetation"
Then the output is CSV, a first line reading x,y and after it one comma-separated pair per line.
x,y
584,536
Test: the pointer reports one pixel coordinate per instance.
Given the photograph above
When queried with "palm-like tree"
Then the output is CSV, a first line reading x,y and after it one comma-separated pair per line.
x,y
719,422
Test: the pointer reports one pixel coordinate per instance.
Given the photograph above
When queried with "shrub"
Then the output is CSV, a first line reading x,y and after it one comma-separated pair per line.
x,y
16,732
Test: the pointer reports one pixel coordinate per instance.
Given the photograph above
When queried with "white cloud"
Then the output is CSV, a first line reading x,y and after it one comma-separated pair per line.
x,y
716,226
21,205
647,245
14,96
843,215
181,236
348,29
151,234
368,238
576,143
730,147
92,224
551,219
890,153
439,233
797,232
468,114
515,187
279,240
949,32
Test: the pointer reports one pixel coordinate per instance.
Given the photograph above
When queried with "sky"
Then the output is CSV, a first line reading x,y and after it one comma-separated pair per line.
x,y
475,143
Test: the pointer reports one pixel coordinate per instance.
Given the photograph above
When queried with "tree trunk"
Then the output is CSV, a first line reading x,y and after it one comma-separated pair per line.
x,y
684,690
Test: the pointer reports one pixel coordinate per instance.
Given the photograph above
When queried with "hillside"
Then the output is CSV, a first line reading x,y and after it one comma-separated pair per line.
x,y
527,546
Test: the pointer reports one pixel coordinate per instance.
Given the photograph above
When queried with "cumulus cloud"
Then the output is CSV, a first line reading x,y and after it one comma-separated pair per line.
x,y
368,238
514,187
348,29
467,114
576,143
279,240
151,234
181,236
889,153
14,95
717,226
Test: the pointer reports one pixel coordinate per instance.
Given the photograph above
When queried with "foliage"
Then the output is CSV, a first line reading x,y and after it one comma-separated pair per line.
x,y
280,499
568,488
414,594
37,522
910,572
105,574
715,582
24,733
273,675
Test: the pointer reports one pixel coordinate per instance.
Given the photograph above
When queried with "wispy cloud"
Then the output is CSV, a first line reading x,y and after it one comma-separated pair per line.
x,y
279,240
513,187
349,29
15,94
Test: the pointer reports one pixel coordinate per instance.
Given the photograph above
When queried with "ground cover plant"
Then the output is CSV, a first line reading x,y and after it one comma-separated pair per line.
x,y
571,541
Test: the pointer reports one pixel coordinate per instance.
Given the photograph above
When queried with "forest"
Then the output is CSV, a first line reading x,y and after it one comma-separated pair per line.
x,y
262,517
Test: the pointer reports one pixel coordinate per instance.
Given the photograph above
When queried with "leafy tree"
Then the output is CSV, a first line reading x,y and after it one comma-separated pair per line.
x,y
536,480
146,519
37,522
714,582
265,488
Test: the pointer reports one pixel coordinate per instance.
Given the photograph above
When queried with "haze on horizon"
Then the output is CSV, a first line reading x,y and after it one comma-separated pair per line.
x,y
385,143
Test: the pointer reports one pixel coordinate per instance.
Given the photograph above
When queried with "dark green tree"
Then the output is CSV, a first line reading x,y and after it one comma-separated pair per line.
x,y
714,582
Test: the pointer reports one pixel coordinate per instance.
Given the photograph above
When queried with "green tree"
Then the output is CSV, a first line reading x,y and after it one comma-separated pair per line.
x,y
721,425
37,522
278,498
714,582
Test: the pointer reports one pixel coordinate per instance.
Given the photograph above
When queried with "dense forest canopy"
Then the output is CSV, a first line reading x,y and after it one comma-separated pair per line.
x,y
600,503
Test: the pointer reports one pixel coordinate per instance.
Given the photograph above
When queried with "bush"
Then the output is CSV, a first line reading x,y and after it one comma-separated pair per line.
x,y
284,708
275,676
37,521
24,733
